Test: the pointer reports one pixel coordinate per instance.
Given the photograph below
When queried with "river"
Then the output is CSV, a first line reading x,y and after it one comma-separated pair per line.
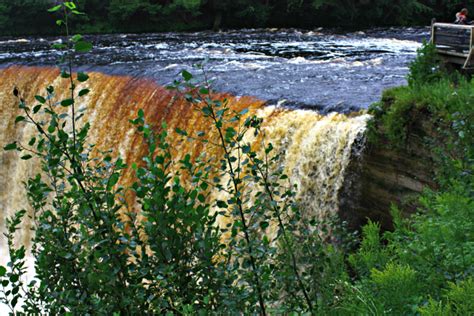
x,y
322,69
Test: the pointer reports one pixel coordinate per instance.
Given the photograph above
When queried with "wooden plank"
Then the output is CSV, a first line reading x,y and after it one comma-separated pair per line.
x,y
452,41
440,41
452,53
454,26
452,34
452,30
453,59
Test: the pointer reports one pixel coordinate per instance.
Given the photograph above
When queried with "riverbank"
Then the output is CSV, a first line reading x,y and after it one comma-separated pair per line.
x,y
424,263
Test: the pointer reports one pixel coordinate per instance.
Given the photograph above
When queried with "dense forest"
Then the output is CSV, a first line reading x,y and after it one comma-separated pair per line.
x,y
20,17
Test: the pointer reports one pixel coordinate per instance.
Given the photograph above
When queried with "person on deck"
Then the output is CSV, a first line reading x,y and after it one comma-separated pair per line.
x,y
461,17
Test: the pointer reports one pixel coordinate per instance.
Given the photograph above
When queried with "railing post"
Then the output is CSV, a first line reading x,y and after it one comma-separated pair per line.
x,y
433,31
467,64
471,39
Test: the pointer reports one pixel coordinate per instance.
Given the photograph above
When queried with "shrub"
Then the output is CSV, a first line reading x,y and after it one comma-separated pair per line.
x,y
396,287
371,253
457,300
426,67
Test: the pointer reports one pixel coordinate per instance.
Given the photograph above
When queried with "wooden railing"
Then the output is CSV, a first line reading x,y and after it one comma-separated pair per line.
x,y
454,43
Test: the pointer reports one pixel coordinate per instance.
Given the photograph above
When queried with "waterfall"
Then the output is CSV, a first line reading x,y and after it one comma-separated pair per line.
x,y
315,149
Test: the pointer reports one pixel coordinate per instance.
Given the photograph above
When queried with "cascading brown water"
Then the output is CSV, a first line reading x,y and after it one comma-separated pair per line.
x,y
315,149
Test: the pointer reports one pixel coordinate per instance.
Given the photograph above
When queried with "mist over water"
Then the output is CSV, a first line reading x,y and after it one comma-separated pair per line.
x,y
320,69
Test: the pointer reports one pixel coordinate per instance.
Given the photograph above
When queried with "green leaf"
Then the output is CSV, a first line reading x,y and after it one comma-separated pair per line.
x,y
32,141
264,225
83,92
14,301
37,108
58,46
112,181
2,271
67,102
83,47
186,75
11,146
76,38
19,118
26,157
181,132
65,74
70,5
59,22
82,77
40,99
55,8
222,204
141,113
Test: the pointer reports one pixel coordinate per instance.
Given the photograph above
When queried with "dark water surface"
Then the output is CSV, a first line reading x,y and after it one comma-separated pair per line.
x,y
320,69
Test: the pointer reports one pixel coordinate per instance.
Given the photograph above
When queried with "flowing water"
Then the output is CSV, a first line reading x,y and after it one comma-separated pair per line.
x,y
319,69
294,80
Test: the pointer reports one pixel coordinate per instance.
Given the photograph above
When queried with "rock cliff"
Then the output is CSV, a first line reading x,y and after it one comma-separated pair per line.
x,y
381,175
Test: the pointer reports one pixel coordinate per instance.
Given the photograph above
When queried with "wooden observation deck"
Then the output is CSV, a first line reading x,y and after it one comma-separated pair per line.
x,y
454,43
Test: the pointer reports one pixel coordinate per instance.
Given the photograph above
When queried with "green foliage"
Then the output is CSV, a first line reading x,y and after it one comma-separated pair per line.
x,y
426,67
433,96
418,264
396,287
183,240
456,300
24,17
443,237
371,254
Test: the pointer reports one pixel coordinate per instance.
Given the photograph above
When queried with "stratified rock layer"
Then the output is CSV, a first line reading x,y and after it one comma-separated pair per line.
x,y
383,175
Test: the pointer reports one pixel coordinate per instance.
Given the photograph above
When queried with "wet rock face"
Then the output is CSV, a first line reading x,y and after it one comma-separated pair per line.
x,y
383,176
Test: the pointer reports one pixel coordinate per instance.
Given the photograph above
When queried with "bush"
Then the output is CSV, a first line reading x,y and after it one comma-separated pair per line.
x,y
426,67
371,254
457,300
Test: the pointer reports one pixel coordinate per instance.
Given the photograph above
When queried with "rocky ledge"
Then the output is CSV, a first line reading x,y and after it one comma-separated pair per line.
x,y
381,175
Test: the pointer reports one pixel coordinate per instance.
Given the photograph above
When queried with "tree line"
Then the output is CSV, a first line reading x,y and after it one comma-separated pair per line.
x,y
22,17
